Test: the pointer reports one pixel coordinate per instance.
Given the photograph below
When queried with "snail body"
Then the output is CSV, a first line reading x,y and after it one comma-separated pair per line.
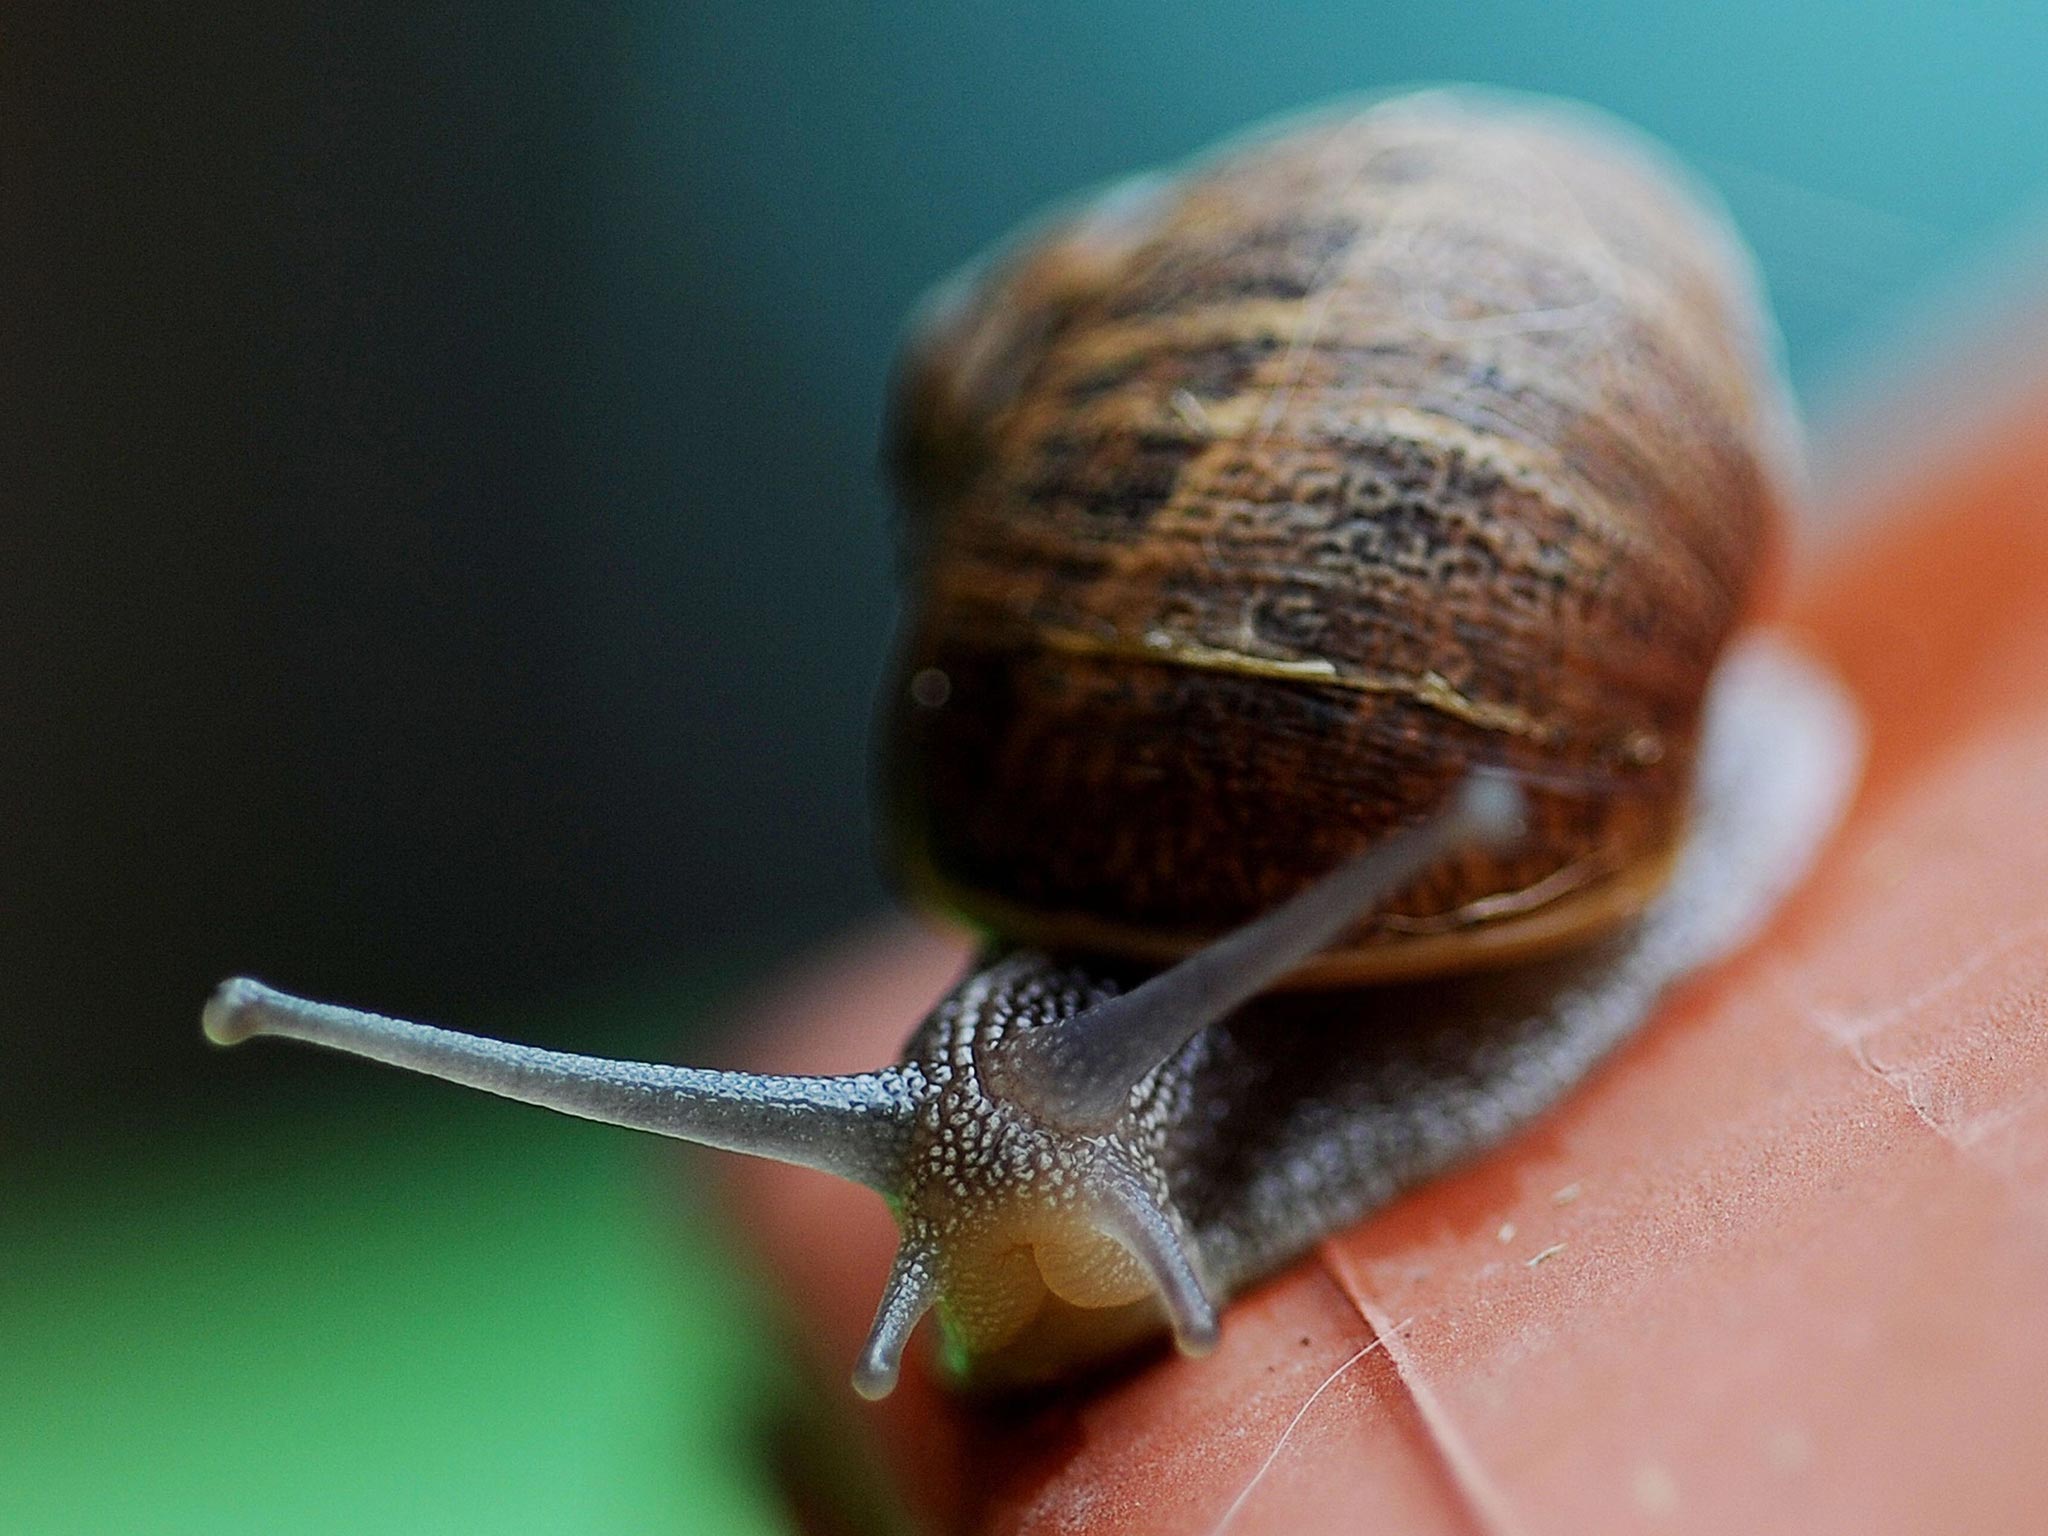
x,y
1323,567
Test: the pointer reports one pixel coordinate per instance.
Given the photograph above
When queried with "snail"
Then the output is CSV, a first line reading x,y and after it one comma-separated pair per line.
x,y
1321,684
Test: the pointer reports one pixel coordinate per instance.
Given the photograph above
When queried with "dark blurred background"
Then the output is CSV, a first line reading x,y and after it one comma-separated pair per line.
x,y
443,566
445,560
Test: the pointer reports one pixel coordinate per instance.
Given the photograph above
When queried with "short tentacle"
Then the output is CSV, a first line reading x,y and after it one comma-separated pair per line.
x,y
912,1290
1130,1213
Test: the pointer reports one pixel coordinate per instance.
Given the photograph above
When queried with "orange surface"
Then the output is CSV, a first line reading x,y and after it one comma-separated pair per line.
x,y
1782,1265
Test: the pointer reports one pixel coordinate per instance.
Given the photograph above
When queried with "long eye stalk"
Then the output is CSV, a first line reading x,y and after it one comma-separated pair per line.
x,y
1079,1073
856,1126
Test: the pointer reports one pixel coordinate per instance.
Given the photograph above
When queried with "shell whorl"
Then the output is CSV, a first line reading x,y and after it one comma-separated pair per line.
x,y
1249,510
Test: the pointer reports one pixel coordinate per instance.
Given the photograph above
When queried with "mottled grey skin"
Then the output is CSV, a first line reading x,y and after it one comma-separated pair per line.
x,y
977,1153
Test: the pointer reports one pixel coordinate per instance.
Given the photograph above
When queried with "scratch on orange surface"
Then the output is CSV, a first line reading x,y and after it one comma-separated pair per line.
x,y
1992,1139
1906,1081
1293,1424
1959,1037
1850,1030
1915,1083
1482,1504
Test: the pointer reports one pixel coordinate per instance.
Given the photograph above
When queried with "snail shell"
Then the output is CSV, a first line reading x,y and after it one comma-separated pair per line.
x,y
1252,509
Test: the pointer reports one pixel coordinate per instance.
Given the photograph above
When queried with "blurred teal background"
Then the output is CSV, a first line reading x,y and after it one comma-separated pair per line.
x,y
446,569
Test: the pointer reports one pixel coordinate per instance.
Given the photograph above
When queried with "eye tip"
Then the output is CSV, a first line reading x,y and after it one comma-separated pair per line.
x,y
1198,1337
874,1378
1493,805
232,1014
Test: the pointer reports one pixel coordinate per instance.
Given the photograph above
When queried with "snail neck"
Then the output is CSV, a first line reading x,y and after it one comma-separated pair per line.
x,y
1013,1217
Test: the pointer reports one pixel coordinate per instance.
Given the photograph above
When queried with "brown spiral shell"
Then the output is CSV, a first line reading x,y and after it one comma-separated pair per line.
x,y
1249,509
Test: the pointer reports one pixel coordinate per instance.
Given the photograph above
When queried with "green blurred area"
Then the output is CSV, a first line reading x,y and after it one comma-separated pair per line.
x,y
398,1307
